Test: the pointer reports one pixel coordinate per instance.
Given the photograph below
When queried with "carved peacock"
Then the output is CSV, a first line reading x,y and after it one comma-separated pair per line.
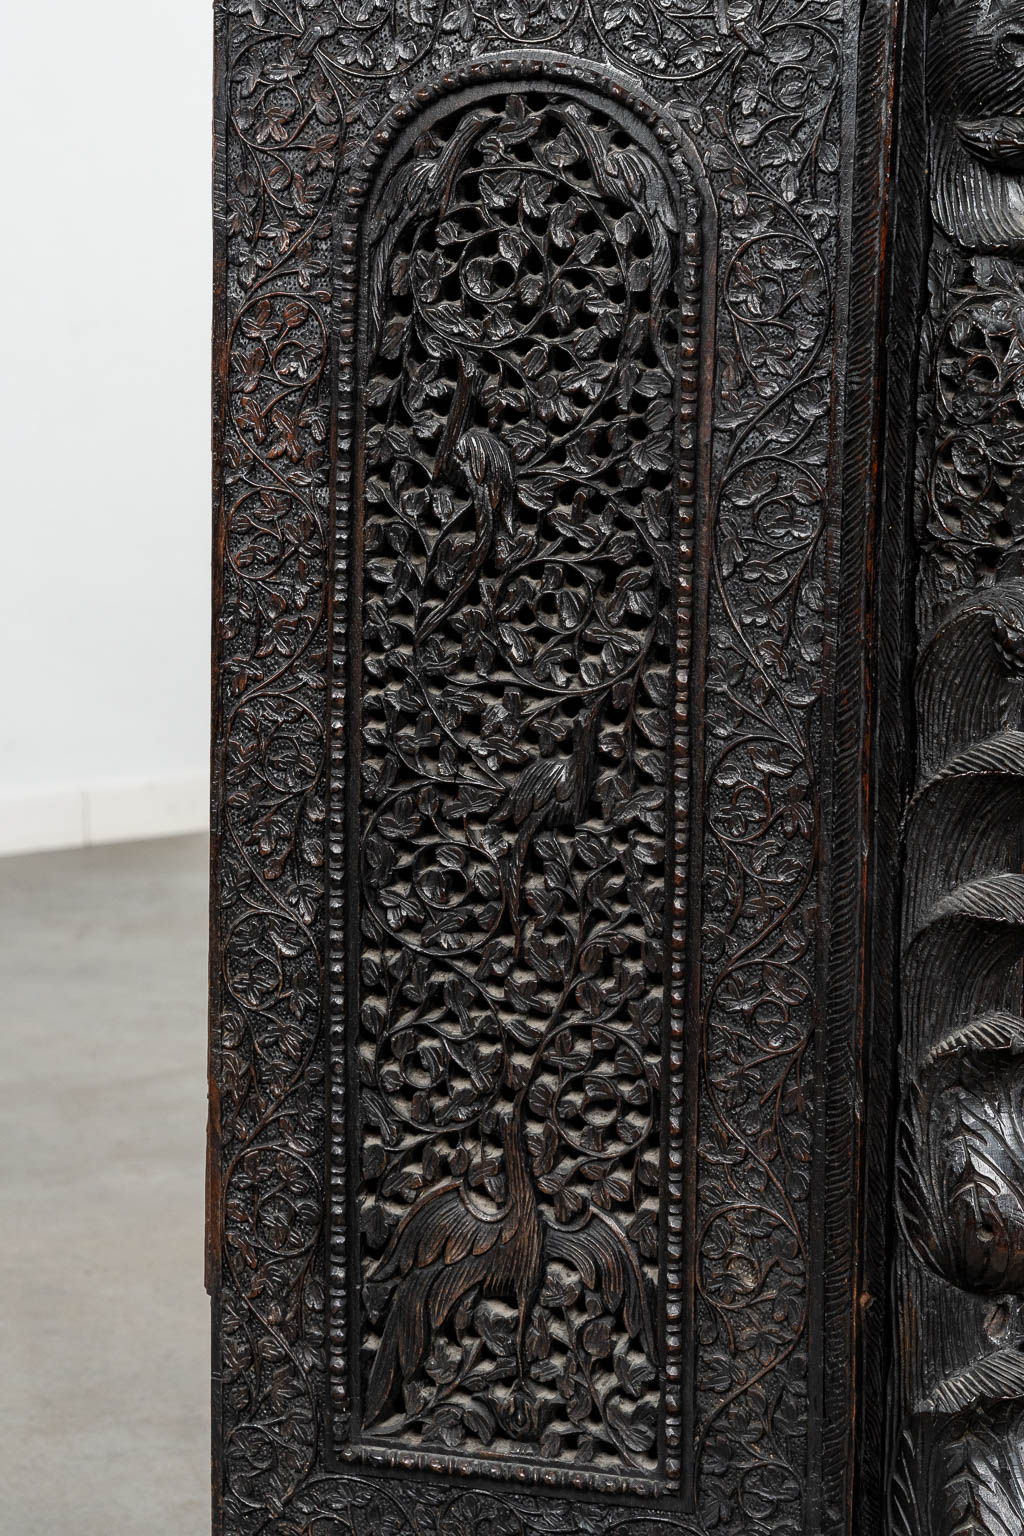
x,y
445,1247
552,791
483,462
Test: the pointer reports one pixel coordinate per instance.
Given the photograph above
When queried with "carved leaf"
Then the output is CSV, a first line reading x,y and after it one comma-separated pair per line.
x,y
993,1379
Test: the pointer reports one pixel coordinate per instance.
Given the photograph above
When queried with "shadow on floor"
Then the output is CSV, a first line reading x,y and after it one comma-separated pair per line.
x,y
104,1332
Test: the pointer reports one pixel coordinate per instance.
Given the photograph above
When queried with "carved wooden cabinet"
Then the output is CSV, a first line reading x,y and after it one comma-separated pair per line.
x,y
617,1050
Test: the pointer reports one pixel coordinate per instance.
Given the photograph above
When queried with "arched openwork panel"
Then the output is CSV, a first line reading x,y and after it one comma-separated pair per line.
x,y
516,794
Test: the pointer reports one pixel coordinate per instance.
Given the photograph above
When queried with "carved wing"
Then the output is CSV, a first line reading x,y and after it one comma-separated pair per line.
x,y
605,1262
439,1251
999,141
440,1228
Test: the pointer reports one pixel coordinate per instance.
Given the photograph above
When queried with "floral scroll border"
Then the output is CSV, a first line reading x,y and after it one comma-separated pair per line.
x,y
303,85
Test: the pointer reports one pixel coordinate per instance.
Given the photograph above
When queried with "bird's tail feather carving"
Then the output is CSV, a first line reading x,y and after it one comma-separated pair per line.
x,y
403,1344
606,1263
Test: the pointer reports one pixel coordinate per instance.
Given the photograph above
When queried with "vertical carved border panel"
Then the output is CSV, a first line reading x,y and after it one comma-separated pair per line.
x,y
768,95
958,1431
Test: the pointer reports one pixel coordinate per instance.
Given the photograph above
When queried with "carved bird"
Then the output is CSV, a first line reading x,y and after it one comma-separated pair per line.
x,y
444,1247
485,465
998,141
551,792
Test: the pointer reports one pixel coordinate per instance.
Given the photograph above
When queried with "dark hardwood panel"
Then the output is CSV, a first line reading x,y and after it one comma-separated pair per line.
x,y
552,1050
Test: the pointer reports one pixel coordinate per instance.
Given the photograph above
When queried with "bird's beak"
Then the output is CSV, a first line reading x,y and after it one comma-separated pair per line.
x,y
998,141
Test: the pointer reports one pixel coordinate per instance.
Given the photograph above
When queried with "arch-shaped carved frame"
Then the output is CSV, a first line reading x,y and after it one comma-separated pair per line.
x,y
639,115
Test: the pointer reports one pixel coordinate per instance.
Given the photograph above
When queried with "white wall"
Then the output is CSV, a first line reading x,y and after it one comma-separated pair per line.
x,y
104,390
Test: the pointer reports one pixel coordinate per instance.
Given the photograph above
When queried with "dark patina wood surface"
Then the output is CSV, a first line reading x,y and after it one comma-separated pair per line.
x,y
618,744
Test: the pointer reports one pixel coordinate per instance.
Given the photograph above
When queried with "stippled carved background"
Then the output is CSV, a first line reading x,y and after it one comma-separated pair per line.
x,y
758,90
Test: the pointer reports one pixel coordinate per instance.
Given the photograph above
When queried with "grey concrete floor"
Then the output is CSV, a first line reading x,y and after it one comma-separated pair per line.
x,y
104,1333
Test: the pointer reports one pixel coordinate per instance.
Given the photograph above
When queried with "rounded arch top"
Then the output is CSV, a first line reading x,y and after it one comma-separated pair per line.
x,y
533,411
663,135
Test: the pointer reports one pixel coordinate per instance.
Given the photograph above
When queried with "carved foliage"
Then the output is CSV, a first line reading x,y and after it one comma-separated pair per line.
x,y
974,494
962,1170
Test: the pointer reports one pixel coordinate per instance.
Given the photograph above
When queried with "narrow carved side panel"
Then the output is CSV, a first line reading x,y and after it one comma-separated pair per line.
x,y
960,1154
